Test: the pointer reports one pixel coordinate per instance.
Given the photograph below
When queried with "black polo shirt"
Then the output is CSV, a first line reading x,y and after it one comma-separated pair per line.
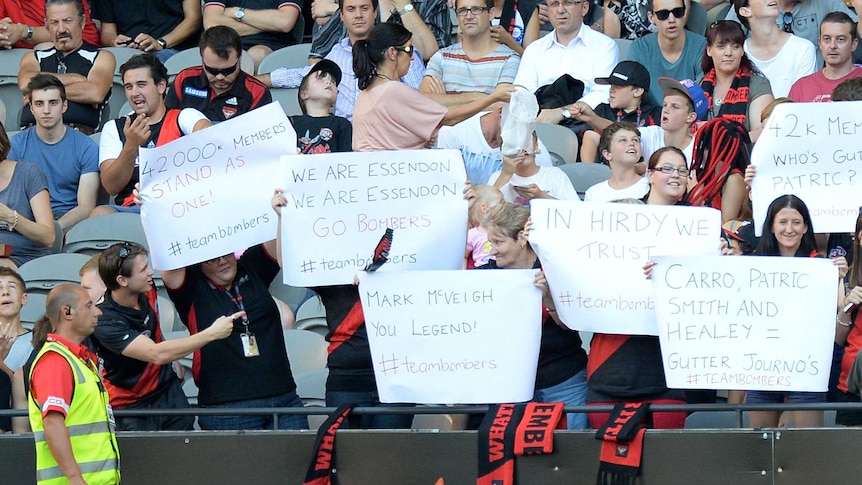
x,y
221,370
273,40
154,17
191,89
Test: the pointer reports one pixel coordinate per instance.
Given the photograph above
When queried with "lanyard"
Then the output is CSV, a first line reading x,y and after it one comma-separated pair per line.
x,y
620,115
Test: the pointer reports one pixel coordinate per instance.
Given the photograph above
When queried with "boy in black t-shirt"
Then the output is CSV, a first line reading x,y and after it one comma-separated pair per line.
x,y
629,83
317,130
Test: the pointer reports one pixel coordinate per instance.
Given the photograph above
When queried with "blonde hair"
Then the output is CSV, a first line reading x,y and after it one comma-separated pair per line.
x,y
507,218
767,111
487,197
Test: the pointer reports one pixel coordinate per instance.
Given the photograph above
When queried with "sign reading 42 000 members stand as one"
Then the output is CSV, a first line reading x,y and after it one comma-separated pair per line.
x,y
209,193
593,256
811,150
465,337
339,205
752,323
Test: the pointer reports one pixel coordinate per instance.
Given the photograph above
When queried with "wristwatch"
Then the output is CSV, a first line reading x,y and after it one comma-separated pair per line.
x,y
162,42
566,113
239,14
29,37
407,9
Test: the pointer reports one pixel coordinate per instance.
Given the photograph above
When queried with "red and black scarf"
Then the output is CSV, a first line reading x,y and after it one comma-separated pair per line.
x,y
622,444
322,463
735,103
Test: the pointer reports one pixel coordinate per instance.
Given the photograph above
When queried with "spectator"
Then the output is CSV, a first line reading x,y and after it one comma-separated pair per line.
x,y
561,372
86,71
69,159
477,252
151,125
514,24
390,115
264,25
317,130
25,210
838,40
849,90
479,140
620,145
90,279
427,20
466,71
684,105
136,358
23,24
721,155
218,88
672,51
781,56
802,18
628,368
250,368
69,412
161,27
521,180
14,346
358,19
576,50
734,86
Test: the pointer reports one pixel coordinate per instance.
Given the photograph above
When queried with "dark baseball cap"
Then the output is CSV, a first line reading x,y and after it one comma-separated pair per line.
x,y
627,73
328,67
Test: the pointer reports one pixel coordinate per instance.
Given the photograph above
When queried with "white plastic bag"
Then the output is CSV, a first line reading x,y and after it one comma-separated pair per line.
x,y
519,122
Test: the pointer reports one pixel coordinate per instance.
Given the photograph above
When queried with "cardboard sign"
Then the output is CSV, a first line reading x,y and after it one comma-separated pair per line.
x,y
209,193
340,205
467,337
593,257
751,323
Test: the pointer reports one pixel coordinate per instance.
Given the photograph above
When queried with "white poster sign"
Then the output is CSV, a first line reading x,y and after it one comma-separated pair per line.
x,y
751,323
467,337
209,193
811,150
593,257
339,206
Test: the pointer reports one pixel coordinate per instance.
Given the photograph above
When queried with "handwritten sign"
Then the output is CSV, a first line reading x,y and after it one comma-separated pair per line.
x,y
811,150
209,193
753,323
593,257
340,205
466,337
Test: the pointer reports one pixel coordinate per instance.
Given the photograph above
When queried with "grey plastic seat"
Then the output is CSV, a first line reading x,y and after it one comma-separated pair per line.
x,y
94,235
585,175
560,141
290,56
43,274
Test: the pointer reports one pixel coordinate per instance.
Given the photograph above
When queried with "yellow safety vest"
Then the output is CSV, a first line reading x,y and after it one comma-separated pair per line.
x,y
89,421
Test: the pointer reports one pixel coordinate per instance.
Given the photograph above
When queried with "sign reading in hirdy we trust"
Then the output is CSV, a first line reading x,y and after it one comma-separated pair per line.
x,y
811,150
339,206
593,257
441,337
748,322
209,193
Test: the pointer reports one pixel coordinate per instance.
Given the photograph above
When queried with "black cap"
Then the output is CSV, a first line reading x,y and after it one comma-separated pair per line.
x,y
627,73
329,67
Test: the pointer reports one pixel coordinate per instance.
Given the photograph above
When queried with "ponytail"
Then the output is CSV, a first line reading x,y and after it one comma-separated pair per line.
x,y
41,329
370,53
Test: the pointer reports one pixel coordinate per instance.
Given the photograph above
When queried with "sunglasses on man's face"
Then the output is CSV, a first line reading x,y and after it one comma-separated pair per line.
x,y
677,12
224,72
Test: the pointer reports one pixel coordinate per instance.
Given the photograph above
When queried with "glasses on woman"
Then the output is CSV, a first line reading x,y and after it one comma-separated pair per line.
x,y
787,22
668,170
407,49
462,12
678,12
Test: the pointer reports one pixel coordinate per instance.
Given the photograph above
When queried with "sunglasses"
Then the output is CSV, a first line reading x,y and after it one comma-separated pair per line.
x,y
224,72
787,22
407,49
677,12
125,252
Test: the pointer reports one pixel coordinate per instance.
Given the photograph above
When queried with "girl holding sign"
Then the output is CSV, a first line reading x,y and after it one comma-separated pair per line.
x,y
561,373
628,368
390,115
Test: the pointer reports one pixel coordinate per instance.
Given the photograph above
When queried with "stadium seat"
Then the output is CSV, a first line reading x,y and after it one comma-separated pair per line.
x,y
121,54
560,141
311,385
33,310
292,295
11,96
623,45
94,235
696,19
311,308
286,97
306,350
585,175
10,61
116,101
291,56
43,274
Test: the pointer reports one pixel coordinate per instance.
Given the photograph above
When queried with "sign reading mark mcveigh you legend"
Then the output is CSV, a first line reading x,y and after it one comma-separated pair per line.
x,y
746,322
339,205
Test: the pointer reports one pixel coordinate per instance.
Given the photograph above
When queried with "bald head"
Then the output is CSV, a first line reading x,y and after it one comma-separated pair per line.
x,y
61,300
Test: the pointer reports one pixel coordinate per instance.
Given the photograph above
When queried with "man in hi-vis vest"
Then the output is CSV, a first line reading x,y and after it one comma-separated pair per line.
x,y
70,416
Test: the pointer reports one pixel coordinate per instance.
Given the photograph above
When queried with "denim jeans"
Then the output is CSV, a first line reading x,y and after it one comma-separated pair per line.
x,y
369,421
571,392
285,421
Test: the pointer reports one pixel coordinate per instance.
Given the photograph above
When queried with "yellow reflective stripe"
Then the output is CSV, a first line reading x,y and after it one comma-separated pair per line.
x,y
89,467
73,360
79,430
